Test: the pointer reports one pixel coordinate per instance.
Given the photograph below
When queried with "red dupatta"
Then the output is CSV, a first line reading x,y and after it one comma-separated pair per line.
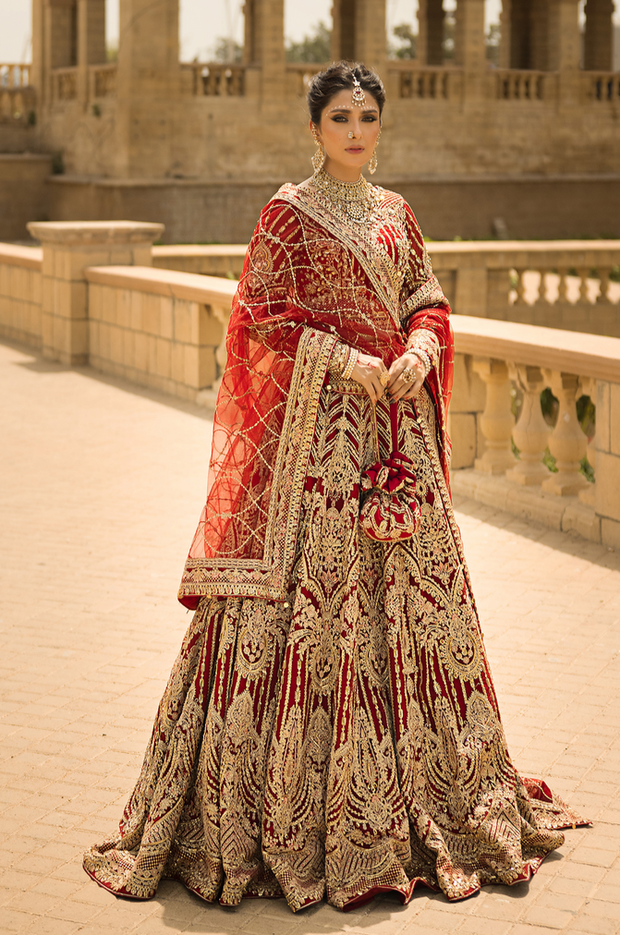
x,y
310,279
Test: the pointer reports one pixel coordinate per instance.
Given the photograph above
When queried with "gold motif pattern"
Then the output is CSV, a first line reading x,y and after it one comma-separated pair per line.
x,y
346,741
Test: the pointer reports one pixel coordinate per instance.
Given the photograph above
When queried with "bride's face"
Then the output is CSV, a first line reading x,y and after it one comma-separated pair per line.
x,y
348,133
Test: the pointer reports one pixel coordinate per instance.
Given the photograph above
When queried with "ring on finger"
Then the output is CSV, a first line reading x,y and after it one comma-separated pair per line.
x,y
384,378
408,375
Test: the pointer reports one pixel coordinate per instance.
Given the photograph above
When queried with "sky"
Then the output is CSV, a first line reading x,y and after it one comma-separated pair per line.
x,y
203,21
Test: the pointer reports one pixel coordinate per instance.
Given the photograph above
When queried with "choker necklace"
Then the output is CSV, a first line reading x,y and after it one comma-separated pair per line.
x,y
356,200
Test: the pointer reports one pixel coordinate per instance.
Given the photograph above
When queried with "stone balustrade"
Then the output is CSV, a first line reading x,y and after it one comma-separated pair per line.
x,y
17,96
218,80
533,466
102,80
524,85
64,84
407,79
603,86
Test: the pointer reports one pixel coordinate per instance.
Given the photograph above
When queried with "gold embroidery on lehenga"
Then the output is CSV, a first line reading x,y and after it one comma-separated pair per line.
x,y
334,730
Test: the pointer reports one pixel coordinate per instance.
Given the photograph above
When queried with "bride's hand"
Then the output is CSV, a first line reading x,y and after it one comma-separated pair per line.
x,y
367,373
405,389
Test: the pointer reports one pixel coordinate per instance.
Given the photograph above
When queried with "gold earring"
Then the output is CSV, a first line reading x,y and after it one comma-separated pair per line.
x,y
372,165
318,157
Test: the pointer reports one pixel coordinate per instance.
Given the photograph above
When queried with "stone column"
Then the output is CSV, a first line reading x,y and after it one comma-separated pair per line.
x,y
148,85
39,65
598,44
430,32
90,41
343,30
370,33
264,48
469,46
564,35
69,247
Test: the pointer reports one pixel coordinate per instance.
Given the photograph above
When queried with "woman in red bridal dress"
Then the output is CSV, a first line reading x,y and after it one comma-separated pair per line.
x,y
330,726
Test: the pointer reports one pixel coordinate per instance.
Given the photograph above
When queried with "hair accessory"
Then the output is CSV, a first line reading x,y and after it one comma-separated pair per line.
x,y
318,157
358,98
372,165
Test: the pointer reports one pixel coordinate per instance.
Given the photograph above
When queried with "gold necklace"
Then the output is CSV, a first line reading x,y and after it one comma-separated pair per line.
x,y
356,200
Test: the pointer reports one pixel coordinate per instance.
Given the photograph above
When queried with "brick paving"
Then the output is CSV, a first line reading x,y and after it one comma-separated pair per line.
x,y
101,485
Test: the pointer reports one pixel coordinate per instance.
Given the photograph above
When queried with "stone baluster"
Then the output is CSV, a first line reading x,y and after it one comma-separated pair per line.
x,y
520,288
567,442
603,297
588,494
497,420
562,287
531,432
583,285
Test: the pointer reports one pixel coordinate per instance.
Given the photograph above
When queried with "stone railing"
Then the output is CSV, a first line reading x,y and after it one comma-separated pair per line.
x,y
533,467
517,85
64,83
206,259
17,96
603,85
14,76
428,82
215,79
102,80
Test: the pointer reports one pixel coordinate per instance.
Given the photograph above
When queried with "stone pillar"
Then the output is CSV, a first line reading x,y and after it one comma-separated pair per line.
x,y
598,44
539,25
358,32
469,46
344,38
565,49
430,32
90,41
264,46
148,86
564,35
37,75
68,248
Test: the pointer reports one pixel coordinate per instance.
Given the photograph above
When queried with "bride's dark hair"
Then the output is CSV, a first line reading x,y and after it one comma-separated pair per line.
x,y
339,77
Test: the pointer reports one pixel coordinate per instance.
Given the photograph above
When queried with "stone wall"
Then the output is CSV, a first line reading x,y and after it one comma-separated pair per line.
x,y
20,294
23,192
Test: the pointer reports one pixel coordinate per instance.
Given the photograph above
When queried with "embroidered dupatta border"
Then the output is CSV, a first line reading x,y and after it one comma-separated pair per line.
x,y
268,577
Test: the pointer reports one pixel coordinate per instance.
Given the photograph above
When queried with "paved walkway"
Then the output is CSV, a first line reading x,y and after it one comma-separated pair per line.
x,y
100,489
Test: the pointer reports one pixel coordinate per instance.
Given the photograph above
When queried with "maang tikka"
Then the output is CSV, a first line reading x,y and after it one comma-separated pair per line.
x,y
318,156
358,98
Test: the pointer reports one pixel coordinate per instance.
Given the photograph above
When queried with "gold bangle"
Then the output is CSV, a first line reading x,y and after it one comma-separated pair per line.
x,y
350,365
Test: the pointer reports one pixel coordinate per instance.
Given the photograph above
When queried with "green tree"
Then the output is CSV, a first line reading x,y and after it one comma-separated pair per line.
x,y
315,47
227,50
408,41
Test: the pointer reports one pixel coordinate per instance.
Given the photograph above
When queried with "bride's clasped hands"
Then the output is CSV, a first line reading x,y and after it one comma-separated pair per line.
x,y
403,380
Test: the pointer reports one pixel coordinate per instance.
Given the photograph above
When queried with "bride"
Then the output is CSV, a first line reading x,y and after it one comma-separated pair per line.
x,y
330,726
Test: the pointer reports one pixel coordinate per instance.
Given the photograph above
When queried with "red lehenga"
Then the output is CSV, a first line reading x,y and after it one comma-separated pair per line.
x,y
330,725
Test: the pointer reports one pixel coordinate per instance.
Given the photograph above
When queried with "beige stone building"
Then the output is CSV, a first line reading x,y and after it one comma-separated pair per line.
x,y
535,141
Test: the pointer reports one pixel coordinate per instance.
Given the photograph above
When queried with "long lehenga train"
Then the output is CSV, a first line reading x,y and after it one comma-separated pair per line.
x,y
330,725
